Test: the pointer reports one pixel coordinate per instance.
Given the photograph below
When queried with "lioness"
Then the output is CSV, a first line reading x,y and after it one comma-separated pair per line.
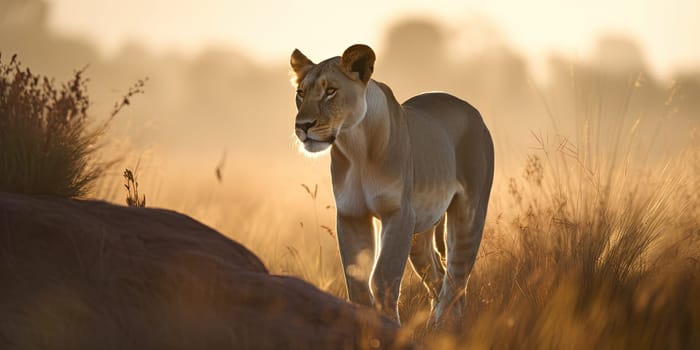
x,y
414,166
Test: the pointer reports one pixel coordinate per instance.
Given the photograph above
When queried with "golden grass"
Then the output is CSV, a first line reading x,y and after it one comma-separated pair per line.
x,y
576,264
594,245
591,246
566,261
131,184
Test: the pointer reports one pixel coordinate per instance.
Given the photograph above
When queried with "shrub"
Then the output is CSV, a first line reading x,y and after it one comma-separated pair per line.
x,y
46,143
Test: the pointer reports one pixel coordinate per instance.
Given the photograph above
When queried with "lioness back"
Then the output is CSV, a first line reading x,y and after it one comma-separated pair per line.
x,y
441,108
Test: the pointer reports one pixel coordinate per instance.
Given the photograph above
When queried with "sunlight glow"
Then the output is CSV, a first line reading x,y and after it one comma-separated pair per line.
x,y
267,31
313,155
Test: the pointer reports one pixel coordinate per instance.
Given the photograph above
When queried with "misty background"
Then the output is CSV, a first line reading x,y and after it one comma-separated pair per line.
x,y
221,109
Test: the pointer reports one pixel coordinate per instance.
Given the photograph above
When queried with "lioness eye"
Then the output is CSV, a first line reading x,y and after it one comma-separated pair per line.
x,y
330,91
300,93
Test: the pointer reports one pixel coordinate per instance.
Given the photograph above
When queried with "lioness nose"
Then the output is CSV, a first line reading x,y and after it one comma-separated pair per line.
x,y
305,126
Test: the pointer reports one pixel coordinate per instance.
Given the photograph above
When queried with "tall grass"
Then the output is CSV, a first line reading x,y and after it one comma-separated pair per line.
x,y
582,265
45,142
131,184
573,256
594,245
48,142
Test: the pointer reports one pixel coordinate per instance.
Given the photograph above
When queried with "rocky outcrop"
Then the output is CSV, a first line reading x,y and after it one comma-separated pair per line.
x,y
90,275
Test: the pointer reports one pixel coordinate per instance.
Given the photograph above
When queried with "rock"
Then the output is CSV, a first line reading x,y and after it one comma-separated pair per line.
x,y
80,274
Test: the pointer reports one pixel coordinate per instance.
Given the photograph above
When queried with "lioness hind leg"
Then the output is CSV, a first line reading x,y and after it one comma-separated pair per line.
x,y
426,263
465,223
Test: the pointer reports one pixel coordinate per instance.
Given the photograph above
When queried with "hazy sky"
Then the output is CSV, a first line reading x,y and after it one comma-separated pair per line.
x,y
667,30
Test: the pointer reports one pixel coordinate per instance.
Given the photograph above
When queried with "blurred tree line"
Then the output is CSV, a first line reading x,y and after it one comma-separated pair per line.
x,y
223,99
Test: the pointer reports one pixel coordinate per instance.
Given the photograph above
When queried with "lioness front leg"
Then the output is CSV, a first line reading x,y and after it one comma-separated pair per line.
x,y
355,239
397,230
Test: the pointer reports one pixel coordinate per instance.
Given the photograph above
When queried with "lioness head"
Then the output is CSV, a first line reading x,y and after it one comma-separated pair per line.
x,y
330,95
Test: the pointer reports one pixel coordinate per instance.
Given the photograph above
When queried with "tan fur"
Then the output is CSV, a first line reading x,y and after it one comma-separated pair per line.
x,y
427,162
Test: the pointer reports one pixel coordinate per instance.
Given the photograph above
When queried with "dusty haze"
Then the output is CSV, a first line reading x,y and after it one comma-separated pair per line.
x,y
221,105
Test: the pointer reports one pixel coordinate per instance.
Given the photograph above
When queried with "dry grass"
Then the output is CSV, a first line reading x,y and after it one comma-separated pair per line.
x,y
594,245
48,141
131,184
45,142
569,260
579,264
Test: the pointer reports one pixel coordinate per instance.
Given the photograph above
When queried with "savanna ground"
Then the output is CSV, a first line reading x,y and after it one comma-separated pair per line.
x,y
579,251
592,239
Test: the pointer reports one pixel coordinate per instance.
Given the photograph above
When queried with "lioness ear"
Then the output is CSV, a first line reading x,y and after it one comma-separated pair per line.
x,y
300,65
359,59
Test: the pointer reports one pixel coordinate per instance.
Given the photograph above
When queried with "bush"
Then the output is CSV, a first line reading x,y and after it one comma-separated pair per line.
x,y
46,143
